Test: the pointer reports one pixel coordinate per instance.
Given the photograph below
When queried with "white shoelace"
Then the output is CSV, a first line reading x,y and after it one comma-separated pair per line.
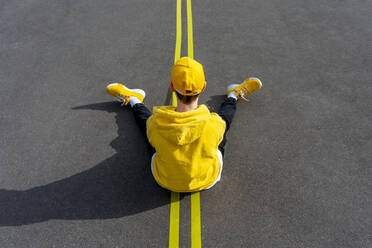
x,y
122,99
242,94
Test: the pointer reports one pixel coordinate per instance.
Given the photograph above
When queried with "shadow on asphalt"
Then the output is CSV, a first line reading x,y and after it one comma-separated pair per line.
x,y
214,102
118,186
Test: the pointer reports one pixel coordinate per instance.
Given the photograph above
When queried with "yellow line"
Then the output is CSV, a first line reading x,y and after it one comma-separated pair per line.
x,y
195,197
175,197
195,220
177,52
174,224
189,31
174,221
174,100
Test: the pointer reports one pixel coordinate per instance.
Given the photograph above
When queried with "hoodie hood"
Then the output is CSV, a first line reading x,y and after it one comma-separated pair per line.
x,y
180,128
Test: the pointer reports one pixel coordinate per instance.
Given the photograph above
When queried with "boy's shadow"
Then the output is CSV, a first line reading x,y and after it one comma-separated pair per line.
x,y
214,102
118,186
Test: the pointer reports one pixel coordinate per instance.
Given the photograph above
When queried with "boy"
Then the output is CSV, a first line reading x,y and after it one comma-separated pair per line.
x,y
186,142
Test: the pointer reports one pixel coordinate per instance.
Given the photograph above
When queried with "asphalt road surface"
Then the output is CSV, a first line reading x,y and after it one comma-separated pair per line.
x,y
74,169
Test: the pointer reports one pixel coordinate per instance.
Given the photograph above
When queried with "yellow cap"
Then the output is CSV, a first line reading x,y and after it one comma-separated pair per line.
x,y
188,77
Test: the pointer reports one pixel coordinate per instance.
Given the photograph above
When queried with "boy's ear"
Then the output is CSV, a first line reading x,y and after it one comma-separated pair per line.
x,y
171,85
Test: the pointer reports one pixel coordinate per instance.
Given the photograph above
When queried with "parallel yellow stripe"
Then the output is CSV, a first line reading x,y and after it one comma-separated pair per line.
x,y
174,222
190,41
195,220
174,100
195,197
175,197
177,53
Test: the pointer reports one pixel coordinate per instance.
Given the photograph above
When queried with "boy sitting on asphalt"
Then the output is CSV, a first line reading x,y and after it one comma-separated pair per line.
x,y
186,142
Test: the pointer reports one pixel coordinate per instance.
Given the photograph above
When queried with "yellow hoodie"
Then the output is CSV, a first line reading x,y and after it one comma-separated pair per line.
x,y
186,146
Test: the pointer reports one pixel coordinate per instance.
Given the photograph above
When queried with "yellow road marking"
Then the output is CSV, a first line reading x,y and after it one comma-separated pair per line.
x,y
195,197
175,197
174,100
174,224
195,220
190,41
174,221
177,52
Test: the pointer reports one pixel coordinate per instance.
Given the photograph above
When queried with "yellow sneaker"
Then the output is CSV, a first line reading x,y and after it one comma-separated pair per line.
x,y
123,94
249,86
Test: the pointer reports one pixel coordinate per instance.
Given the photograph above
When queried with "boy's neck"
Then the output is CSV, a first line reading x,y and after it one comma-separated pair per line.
x,y
186,107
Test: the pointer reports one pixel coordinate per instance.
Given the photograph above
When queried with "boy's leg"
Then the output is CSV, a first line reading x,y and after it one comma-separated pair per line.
x,y
227,109
141,114
227,112
133,97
